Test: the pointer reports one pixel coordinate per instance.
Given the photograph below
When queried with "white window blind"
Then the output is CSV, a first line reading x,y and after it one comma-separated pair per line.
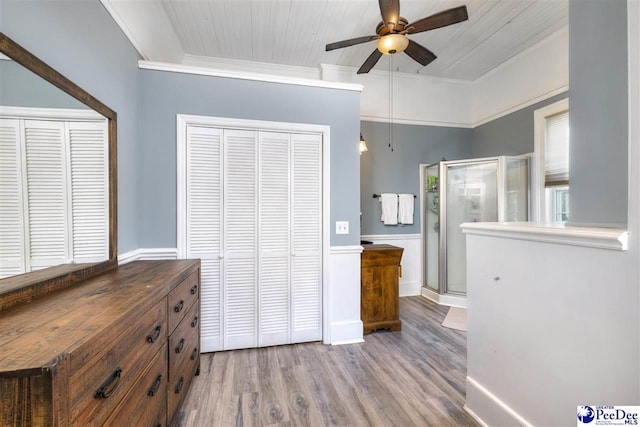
x,y
556,150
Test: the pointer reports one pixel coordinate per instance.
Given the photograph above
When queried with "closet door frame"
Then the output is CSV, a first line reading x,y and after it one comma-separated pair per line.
x,y
183,121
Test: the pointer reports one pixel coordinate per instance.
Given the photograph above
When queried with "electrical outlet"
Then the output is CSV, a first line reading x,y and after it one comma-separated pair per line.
x,y
342,227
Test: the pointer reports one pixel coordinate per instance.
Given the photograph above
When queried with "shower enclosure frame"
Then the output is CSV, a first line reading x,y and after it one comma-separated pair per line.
x,y
501,173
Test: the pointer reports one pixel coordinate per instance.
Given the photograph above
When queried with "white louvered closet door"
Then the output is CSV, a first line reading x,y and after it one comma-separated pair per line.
x,y
47,183
254,215
274,241
12,244
306,289
240,239
204,226
89,190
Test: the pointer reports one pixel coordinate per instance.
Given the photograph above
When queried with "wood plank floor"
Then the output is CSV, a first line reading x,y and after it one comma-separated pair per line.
x,y
414,377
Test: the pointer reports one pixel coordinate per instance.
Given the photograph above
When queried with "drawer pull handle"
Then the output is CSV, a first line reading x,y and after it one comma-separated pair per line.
x,y
194,289
194,322
180,346
103,392
179,385
156,386
194,353
178,307
154,335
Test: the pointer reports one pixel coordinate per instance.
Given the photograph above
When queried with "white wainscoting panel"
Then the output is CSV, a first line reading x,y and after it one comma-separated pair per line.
x,y
344,295
410,282
541,315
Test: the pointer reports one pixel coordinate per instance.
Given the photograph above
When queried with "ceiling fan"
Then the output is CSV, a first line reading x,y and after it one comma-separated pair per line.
x,y
392,32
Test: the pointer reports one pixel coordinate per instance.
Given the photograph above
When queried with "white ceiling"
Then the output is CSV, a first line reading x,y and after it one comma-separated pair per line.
x,y
294,32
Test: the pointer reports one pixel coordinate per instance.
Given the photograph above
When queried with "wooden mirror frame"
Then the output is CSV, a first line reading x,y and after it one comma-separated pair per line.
x,y
25,287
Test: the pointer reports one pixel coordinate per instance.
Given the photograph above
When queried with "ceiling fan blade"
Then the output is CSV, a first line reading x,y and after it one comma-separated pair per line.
x,y
420,53
370,62
350,42
438,20
390,11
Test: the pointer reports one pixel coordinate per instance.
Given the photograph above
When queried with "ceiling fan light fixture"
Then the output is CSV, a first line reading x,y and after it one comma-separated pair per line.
x,y
392,43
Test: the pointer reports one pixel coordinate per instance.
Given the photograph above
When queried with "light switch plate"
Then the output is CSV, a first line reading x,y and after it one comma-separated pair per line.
x,y
342,227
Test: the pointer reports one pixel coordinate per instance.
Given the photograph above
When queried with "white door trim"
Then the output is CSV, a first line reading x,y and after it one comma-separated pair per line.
x,y
184,120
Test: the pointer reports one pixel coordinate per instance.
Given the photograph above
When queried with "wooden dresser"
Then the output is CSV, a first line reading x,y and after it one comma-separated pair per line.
x,y
119,349
379,285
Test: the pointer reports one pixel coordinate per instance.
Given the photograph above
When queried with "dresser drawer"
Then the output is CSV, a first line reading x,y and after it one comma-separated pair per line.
x,y
145,404
184,340
99,386
181,298
183,363
179,382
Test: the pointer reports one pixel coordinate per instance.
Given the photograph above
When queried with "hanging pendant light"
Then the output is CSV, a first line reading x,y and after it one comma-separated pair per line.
x,y
362,147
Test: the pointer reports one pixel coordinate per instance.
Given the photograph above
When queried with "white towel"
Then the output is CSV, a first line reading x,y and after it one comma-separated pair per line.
x,y
405,208
389,202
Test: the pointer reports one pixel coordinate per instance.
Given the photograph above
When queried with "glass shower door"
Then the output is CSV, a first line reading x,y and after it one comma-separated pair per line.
x,y
432,227
471,196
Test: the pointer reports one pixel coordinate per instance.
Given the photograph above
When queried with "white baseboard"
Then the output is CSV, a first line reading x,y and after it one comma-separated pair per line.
x,y
409,289
488,409
450,300
147,254
346,333
474,416
128,257
159,253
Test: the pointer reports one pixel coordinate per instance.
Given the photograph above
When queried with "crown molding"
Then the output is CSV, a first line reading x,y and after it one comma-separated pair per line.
x,y
366,118
520,106
204,71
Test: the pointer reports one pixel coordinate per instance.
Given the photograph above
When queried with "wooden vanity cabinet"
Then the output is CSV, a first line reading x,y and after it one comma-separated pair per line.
x,y
379,285
104,351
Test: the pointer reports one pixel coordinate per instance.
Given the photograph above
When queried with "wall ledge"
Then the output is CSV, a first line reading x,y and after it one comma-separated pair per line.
x,y
600,238
244,75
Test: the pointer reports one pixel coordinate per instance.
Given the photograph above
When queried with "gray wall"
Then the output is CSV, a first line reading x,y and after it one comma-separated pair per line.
x,y
598,112
383,171
509,135
20,87
81,40
164,94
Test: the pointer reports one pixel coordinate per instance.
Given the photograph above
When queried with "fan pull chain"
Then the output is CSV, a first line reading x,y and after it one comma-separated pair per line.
x,y
391,102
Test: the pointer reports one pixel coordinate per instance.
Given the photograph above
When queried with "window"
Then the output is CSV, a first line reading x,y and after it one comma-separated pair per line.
x,y
550,192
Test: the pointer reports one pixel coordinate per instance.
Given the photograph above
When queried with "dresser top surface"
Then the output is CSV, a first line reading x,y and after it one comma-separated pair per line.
x,y
380,247
35,334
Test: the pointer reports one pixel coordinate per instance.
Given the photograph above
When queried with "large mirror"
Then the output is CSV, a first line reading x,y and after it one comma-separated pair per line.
x,y
57,179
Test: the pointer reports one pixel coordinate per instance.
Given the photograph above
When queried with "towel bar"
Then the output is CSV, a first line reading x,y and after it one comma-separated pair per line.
x,y
375,196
